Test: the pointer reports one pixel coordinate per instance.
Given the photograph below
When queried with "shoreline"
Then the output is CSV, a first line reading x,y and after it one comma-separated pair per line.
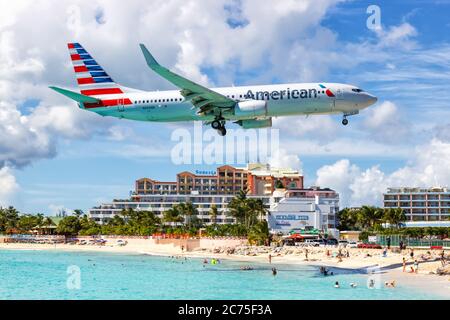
x,y
387,268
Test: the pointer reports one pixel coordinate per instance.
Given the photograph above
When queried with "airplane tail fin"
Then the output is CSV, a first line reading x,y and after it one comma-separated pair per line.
x,y
92,79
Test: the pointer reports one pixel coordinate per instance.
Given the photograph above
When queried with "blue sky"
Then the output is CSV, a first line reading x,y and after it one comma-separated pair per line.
x,y
61,157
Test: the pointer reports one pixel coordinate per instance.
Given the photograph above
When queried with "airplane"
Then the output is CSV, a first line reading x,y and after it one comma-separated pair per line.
x,y
247,106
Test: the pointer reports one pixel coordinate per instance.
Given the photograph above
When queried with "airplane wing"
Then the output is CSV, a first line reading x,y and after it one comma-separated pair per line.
x,y
207,101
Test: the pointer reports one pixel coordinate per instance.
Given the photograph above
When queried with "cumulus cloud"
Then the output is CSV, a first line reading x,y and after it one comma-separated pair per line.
x,y
283,159
397,35
8,186
386,123
428,167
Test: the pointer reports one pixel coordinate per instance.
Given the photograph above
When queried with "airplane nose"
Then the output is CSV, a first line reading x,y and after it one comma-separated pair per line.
x,y
372,99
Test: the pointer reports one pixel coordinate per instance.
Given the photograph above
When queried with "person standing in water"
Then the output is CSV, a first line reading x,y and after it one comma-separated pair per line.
x,y
274,271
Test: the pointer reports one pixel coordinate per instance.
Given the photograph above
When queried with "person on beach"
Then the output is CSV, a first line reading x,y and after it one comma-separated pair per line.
x,y
404,264
385,252
306,254
270,258
411,254
182,248
442,255
401,246
416,266
389,243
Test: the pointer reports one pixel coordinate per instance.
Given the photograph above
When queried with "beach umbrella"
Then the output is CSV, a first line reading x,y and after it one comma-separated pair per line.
x,y
296,236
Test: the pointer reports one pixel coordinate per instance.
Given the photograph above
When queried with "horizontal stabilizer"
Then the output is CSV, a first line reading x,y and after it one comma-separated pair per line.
x,y
75,96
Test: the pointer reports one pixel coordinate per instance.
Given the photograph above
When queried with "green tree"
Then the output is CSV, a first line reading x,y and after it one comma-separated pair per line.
x,y
279,184
188,211
394,216
259,233
69,226
238,206
27,222
9,217
172,216
213,213
348,219
370,217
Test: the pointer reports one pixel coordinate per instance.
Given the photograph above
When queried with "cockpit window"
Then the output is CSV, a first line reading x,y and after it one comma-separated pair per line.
x,y
358,90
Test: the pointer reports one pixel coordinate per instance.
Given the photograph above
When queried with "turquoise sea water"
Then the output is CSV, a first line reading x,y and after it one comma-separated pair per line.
x,y
44,275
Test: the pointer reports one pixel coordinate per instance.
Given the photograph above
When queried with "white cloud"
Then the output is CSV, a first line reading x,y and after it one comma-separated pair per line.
x,y
428,167
386,123
283,159
8,186
397,35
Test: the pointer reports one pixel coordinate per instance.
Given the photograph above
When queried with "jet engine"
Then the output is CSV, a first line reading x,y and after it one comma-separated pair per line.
x,y
255,124
250,109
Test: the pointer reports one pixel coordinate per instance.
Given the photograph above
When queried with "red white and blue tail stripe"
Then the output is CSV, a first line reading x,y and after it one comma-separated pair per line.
x,y
93,80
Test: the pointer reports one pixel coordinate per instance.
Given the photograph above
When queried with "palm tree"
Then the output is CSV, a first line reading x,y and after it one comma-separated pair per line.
x,y
394,216
48,222
213,212
238,206
188,211
259,233
370,217
172,216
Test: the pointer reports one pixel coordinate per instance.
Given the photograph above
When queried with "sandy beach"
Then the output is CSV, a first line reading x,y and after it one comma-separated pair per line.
x,y
361,260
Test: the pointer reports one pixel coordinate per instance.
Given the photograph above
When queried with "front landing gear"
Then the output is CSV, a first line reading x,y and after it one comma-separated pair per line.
x,y
219,125
347,114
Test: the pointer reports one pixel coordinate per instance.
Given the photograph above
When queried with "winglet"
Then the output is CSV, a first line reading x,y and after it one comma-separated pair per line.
x,y
151,61
75,96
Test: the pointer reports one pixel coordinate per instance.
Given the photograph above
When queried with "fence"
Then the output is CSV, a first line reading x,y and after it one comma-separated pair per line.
x,y
411,242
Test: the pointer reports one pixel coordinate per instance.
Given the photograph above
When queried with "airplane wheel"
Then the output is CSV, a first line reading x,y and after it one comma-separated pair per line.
x,y
222,131
216,124
344,122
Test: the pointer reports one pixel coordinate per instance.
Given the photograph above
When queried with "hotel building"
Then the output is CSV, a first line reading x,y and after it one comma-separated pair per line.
x,y
203,190
420,204
315,208
290,206
255,179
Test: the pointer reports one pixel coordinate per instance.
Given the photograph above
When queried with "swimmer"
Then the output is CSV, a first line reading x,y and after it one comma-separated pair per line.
x,y
353,285
274,271
390,284
205,261
371,284
336,284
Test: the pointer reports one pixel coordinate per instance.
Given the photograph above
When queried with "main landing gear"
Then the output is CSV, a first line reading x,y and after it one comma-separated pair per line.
x,y
219,125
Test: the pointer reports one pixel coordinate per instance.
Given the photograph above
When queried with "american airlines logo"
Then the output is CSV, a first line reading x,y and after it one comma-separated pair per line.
x,y
288,94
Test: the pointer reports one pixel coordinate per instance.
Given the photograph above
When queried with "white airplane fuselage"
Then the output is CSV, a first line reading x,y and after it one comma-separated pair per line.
x,y
282,100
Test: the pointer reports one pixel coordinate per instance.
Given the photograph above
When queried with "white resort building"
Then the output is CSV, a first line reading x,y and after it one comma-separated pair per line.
x,y
281,191
420,204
